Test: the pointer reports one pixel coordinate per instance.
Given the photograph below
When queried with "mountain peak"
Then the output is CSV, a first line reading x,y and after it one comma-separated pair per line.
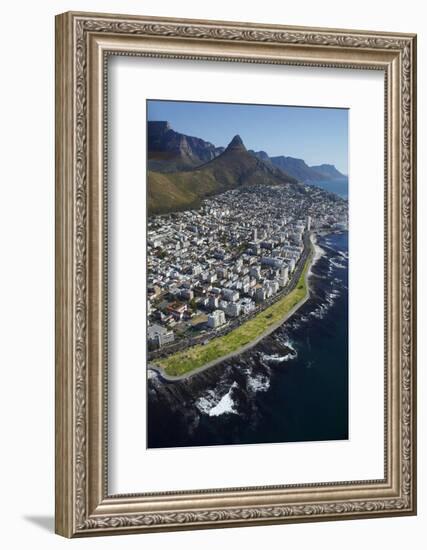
x,y
159,125
236,144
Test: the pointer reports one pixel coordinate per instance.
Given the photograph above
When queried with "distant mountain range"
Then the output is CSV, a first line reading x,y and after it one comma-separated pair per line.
x,y
328,171
300,170
182,169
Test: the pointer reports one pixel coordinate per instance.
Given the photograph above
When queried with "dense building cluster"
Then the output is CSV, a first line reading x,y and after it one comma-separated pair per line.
x,y
209,266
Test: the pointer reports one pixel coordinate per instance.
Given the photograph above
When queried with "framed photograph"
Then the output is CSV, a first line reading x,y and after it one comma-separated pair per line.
x,y
235,274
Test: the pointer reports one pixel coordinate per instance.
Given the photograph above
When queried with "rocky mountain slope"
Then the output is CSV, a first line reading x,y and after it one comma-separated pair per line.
x,y
234,167
169,151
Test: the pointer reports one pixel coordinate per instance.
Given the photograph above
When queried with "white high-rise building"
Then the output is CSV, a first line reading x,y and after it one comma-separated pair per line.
x,y
230,295
255,235
233,310
283,276
216,319
260,294
213,302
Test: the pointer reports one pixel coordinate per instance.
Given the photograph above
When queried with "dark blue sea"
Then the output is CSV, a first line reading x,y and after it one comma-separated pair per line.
x,y
339,187
292,386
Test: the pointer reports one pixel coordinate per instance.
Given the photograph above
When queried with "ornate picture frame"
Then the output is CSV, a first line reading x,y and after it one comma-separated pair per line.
x,y
84,506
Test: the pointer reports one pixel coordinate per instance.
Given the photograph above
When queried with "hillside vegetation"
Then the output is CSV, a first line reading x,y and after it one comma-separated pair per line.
x,y
232,168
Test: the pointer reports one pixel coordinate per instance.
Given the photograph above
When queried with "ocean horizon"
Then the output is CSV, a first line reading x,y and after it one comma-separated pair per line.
x,y
337,186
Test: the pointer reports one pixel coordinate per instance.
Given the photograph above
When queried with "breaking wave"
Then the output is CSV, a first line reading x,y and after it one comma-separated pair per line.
x,y
208,404
285,342
337,264
258,383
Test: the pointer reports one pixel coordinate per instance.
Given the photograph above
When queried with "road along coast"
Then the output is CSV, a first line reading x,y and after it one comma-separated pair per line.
x,y
198,358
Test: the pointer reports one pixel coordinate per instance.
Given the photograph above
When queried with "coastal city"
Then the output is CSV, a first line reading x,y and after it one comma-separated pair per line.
x,y
246,257
209,269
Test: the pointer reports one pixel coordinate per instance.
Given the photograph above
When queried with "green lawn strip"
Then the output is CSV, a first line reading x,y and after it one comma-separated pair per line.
x,y
199,355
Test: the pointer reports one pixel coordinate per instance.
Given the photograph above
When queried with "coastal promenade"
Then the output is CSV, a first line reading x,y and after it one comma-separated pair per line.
x,y
261,326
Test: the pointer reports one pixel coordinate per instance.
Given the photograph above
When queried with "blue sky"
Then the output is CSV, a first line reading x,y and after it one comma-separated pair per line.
x,y
317,135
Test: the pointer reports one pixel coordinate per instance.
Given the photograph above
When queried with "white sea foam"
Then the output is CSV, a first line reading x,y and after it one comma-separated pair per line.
x,y
285,341
276,358
317,275
337,264
318,251
210,405
224,406
204,404
151,373
258,383
320,312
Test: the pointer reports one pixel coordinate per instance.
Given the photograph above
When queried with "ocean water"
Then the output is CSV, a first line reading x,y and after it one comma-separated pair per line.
x,y
292,386
339,187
